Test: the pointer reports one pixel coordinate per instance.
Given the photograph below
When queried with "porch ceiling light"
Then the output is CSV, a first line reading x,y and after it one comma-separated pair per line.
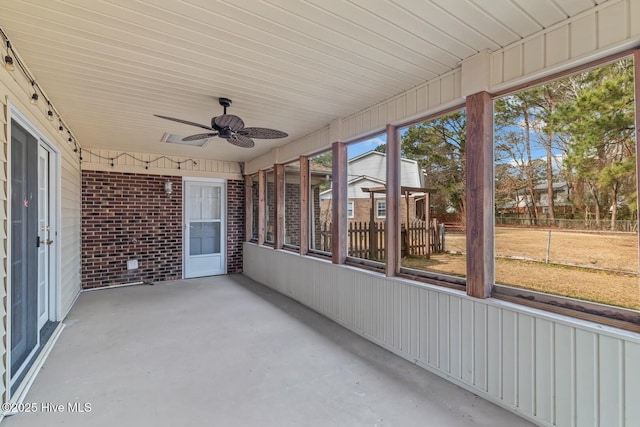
x,y
8,60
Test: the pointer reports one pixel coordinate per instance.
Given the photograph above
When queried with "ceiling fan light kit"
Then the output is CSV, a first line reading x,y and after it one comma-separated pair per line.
x,y
229,127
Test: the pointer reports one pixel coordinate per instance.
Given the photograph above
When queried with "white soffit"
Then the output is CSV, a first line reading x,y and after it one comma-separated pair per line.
x,y
291,65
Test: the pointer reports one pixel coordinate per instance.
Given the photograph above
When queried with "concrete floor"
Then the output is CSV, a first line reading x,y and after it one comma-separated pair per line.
x,y
226,351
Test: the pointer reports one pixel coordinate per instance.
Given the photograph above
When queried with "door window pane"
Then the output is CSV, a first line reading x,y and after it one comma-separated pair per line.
x,y
204,202
204,238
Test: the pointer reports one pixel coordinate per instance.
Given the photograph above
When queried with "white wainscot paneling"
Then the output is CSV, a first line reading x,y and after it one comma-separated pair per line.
x,y
610,27
551,369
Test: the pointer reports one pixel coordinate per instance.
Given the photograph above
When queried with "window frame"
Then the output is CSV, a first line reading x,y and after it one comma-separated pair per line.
x,y
352,209
609,315
603,314
254,214
284,195
380,202
311,251
271,242
427,276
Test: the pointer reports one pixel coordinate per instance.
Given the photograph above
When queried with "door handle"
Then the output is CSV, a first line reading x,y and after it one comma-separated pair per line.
x,y
48,241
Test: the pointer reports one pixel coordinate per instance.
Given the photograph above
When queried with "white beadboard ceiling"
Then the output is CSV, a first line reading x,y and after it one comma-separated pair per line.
x,y
293,65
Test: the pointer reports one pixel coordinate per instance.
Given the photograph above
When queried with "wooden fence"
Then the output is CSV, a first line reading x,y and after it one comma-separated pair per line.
x,y
366,240
414,238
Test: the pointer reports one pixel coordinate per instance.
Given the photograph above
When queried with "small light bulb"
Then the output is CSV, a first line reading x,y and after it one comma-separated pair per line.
x,y
34,98
8,63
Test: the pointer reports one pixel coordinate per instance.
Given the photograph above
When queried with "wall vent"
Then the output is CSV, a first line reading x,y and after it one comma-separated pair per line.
x,y
177,139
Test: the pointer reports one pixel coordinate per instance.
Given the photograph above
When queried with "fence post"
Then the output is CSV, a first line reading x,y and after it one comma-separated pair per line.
x,y
373,239
548,247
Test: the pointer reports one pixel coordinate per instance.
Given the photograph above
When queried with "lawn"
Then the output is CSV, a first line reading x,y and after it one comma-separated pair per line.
x,y
606,255
607,251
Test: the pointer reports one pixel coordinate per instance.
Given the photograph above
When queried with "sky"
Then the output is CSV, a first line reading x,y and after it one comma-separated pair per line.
x,y
354,150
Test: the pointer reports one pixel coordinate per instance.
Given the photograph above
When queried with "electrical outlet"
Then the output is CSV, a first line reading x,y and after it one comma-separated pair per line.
x,y
132,264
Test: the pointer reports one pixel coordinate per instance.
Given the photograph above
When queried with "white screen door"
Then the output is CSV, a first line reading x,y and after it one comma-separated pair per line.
x,y
204,237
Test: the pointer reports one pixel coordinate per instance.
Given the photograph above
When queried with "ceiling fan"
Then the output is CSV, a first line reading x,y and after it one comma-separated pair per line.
x,y
229,127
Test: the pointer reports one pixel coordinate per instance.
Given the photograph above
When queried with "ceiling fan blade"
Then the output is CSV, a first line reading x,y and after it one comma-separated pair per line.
x,y
199,136
241,141
230,121
186,122
263,133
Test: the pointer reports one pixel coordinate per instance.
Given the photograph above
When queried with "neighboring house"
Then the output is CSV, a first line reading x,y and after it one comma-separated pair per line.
x,y
522,200
368,171
561,193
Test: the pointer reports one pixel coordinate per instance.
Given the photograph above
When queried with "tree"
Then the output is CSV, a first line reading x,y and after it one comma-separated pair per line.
x,y
439,147
324,159
600,125
519,125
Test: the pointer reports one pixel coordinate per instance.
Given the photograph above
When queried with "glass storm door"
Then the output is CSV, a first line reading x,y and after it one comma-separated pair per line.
x,y
24,247
204,242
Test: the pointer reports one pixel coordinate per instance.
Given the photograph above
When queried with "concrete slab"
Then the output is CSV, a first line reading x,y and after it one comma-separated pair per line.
x,y
226,351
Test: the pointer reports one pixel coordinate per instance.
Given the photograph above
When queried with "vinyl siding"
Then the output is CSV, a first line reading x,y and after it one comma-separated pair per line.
x,y
4,243
132,162
14,91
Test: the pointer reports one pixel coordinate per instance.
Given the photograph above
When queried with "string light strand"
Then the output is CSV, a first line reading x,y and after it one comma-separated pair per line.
x,y
37,91
146,163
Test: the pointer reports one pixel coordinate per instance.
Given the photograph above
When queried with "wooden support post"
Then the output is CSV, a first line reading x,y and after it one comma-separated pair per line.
x,y
304,205
392,228
278,232
248,208
480,226
262,206
636,76
339,203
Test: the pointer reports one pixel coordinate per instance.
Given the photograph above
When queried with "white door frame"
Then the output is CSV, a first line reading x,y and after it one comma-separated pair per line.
x,y
223,222
45,232
55,298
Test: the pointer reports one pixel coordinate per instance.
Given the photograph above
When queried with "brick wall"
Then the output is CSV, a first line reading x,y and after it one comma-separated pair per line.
x,y
235,225
129,216
292,213
255,196
362,210
318,221
270,222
